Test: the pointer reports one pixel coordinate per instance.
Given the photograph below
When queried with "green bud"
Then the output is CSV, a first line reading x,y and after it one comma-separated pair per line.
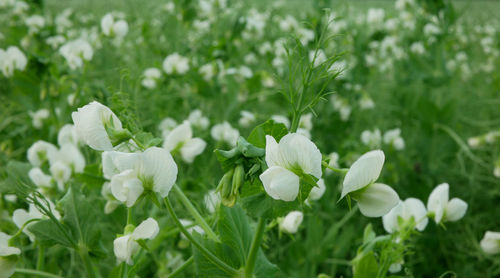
x,y
129,229
238,178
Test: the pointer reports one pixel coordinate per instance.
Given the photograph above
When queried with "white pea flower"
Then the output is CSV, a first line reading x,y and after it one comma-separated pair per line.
x,y
318,57
281,120
366,103
334,162
125,246
247,118
67,135
61,172
40,152
39,178
181,139
38,117
91,121
35,23
410,208
151,76
317,191
224,132
113,28
445,210
207,71
491,243
7,262
291,222
21,216
474,142
70,155
306,122
166,125
154,169
111,202
75,52
371,138
12,59
393,137
190,227
294,156
305,132
197,119
374,199
211,200
55,41
175,64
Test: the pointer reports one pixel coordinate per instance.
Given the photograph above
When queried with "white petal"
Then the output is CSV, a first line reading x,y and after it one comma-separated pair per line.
x,y
292,222
298,151
491,243
159,165
318,191
390,220
120,28
114,162
39,178
280,183
376,200
178,136
124,247
455,209
415,208
363,171
126,187
7,266
192,149
272,152
148,229
438,200
5,249
106,24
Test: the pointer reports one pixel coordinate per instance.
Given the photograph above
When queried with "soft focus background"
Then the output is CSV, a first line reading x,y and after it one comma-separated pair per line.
x,y
427,68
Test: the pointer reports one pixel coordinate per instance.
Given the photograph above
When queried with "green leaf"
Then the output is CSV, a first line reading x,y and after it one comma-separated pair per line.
x,y
249,150
258,135
47,232
366,266
235,231
18,180
147,139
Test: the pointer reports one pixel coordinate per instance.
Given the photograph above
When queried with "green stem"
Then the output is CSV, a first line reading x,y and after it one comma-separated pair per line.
x,y
342,171
22,228
198,218
209,255
36,272
40,259
182,267
254,248
88,263
129,215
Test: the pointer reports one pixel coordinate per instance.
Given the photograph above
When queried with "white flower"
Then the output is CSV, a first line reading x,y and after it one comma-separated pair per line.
x,y
474,142
197,120
491,243
35,23
7,262
39,178
61,172
67,135
181,139
112,28
175,63
38,117
75,52
153,170
444,209
12,59
318,57
247,118
211,200
393,137
292,221
375,16
371,138
281,120
306,122
166,125
417,48
293,156
151,76
55,41
70,155
410,208
188,224
5,249
91,121
125,246
374,199
334,161
41,151
366,102
111,202
207,71
21,216
317,191
225,133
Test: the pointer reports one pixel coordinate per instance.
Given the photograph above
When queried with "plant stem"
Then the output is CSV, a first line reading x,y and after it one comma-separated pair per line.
x,y
198,218
254,248
88,263
342,171
40,259
182,267
129,215
209,255
36,272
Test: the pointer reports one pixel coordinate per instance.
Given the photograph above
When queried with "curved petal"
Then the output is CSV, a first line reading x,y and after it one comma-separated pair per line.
x,y
272,152
390,220
298,151
415,208
148,229
363,171
124,247
438,200
192,149
491,243
317,191
455,209
114,162
292,222
126,187
377,200
280,183
159,166
178,136
5,249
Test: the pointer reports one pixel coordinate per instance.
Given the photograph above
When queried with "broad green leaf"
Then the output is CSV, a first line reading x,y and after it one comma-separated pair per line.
x,y
258,135
17,179
47,232
366,266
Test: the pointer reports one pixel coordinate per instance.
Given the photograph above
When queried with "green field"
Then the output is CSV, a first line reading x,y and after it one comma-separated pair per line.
x,y
419,81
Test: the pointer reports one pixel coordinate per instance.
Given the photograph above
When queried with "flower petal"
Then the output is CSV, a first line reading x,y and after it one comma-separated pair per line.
x,y
491,243
363,171
179,135
377,200
159,165
438,200
280,183
455,209
415,208
148,229
192,149
390,220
